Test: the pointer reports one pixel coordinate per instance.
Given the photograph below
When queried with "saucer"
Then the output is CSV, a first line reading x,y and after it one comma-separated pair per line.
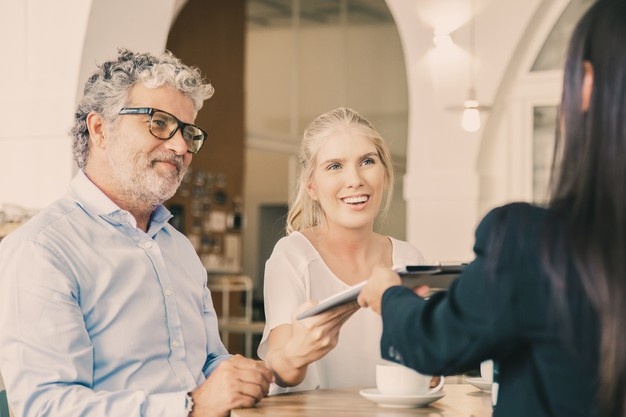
x,y
480,383
400,401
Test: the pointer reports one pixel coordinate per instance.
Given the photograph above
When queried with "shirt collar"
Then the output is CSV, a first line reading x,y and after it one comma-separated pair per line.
x,y
88,196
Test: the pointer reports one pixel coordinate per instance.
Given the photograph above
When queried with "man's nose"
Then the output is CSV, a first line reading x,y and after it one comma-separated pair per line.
x,y
177,143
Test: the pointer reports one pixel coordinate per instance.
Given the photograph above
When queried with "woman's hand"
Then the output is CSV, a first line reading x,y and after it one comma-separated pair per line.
x,y
292,347
315,336
423,291
378,282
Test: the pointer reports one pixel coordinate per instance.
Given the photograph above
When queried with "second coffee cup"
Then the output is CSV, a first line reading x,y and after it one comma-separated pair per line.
x,y
486,371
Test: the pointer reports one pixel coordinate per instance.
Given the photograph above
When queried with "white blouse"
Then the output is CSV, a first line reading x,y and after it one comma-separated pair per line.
x,y
295,273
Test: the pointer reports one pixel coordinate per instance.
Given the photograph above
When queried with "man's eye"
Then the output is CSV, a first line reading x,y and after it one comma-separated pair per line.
x,y
159,123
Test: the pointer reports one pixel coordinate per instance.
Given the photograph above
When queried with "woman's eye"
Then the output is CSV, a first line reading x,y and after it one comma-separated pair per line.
x,y
333,167
368,161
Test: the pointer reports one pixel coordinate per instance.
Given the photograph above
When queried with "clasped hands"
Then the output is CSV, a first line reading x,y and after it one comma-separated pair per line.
x,y
238,382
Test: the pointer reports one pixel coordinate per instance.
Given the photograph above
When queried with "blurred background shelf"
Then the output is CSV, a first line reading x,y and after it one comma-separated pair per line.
x,y
232,297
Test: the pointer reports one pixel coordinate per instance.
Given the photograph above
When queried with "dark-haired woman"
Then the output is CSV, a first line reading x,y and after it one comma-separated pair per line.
x,y
545,297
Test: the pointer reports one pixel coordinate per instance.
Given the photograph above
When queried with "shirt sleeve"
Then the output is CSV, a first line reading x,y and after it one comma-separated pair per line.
x,y
217,350
45,350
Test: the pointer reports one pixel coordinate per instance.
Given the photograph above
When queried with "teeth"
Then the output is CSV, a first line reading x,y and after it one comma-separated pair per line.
x,y
356,200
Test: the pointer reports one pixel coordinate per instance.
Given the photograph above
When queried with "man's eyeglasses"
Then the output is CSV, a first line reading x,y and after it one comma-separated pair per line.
x,y
164,125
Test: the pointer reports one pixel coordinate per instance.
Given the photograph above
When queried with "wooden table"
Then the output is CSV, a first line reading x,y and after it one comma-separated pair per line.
x,y
461,400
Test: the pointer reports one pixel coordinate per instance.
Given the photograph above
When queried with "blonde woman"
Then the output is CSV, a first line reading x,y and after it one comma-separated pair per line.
x,y
346,179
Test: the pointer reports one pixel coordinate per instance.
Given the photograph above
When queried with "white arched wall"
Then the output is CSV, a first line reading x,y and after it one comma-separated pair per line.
x,y
41,46
53,46
139,25
53,50
505,161
442,185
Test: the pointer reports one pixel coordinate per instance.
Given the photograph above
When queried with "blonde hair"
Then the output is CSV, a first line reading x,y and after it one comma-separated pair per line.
x,y
304,212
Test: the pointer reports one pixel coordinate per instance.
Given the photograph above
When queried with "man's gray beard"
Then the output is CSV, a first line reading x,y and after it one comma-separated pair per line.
x,y
151,189
140,184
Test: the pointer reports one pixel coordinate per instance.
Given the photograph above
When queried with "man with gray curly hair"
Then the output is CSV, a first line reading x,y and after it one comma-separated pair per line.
x,y
104,309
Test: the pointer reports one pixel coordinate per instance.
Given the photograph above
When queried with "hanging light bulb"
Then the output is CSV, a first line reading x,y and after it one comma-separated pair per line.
x,y
470,119
471,115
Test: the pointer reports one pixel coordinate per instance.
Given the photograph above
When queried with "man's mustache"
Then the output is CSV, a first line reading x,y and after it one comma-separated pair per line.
x,y
176,160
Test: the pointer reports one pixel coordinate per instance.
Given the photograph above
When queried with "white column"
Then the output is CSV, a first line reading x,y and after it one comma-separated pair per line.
x,y
42,43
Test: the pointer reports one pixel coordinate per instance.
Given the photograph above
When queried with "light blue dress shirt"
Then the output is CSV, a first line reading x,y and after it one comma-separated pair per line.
x,y
97,317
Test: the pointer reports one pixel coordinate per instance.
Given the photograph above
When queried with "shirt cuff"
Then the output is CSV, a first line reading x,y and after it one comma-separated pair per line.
x,y
171,404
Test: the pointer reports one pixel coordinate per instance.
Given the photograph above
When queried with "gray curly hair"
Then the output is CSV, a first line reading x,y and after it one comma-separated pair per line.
x,y
107,89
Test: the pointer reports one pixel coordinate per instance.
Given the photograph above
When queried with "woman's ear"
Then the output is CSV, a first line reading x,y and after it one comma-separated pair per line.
x,y
311,191
95,125
587,86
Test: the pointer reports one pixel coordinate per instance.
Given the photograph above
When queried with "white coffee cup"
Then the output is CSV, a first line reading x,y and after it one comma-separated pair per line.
x,y
486,371
395,379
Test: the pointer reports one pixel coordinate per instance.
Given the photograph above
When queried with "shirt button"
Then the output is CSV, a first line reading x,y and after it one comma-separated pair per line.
x,y
175,344
168,291
147,244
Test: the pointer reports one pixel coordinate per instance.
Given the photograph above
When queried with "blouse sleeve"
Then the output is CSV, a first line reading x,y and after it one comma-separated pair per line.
x,y
404,253
284,287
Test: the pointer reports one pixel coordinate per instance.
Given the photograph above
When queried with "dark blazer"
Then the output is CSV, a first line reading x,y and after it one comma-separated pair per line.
x,y
503,307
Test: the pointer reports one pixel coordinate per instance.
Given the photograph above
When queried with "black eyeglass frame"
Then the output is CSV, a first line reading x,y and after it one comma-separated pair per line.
x,y
181,125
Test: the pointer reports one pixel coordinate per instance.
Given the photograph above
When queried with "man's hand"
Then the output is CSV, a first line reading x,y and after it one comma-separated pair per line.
x,y
236,383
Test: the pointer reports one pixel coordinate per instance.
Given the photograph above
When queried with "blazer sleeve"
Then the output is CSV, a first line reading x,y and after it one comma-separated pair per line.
x,y
476,319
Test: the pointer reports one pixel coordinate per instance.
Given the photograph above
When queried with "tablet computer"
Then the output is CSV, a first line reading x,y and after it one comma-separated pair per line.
x,y
407,273
446,269
439,276
417,269
342,297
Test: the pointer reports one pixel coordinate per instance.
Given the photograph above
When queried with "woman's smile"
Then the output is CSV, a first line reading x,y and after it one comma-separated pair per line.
x,y
356,201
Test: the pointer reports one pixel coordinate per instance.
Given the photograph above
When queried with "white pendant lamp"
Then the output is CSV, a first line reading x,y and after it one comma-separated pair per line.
x,y
470,119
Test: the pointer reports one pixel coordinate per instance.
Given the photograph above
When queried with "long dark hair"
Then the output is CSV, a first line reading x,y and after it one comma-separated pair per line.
x,y
588,186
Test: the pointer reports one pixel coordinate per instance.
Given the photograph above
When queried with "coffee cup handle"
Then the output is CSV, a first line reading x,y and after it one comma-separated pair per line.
x,y
438,387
